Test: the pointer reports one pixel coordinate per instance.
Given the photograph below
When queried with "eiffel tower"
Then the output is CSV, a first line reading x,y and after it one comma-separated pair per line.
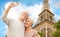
x,y
46,17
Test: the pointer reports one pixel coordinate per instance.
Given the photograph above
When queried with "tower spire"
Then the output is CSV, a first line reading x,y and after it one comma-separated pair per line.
x,y
46,5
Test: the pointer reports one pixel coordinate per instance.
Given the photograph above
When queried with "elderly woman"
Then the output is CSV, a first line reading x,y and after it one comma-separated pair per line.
x,y
29,32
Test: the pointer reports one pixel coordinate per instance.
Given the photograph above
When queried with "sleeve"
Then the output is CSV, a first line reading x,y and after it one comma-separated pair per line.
x,y
35,34
4,17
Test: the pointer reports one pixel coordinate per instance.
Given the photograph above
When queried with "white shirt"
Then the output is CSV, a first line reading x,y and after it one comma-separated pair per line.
x,y
15,27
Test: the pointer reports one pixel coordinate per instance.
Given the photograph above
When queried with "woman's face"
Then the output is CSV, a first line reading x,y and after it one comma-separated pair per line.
x,y
28,22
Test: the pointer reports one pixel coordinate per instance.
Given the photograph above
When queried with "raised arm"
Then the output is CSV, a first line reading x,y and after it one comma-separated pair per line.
x,y
5,13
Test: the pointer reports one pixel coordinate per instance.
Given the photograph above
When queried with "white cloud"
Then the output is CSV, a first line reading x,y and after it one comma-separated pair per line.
x,y
55,3
35,10
52,1
57,17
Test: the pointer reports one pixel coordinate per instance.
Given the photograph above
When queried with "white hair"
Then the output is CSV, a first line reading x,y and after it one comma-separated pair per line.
x,y
32,19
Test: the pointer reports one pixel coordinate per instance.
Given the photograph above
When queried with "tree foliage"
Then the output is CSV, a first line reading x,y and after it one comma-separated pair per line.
x,y
41,34
57,32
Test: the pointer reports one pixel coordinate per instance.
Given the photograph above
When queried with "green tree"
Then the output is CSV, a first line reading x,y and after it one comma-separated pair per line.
x,y
57,25
41,34
57,32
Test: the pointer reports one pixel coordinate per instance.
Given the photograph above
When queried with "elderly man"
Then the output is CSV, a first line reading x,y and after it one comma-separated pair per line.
x,y
15,27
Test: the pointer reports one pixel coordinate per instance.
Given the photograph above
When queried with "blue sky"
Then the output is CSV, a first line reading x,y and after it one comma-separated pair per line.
x,y
54,5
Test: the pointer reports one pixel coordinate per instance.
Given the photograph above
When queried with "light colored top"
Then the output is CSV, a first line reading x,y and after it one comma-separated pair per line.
x,y
31,34
15,27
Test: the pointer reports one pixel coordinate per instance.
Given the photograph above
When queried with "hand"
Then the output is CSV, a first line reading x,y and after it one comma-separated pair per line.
x,y
23,16
13,4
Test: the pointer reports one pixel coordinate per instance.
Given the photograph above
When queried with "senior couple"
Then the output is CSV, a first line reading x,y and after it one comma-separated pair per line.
x,y
22,27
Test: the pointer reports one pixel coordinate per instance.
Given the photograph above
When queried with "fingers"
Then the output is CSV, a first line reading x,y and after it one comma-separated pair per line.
x,y
13,4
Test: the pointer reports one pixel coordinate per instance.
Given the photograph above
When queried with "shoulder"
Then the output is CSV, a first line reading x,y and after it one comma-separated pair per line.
x,y
35,32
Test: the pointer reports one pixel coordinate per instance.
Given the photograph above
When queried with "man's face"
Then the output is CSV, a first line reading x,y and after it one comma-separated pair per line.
x,y
28,22
23,16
